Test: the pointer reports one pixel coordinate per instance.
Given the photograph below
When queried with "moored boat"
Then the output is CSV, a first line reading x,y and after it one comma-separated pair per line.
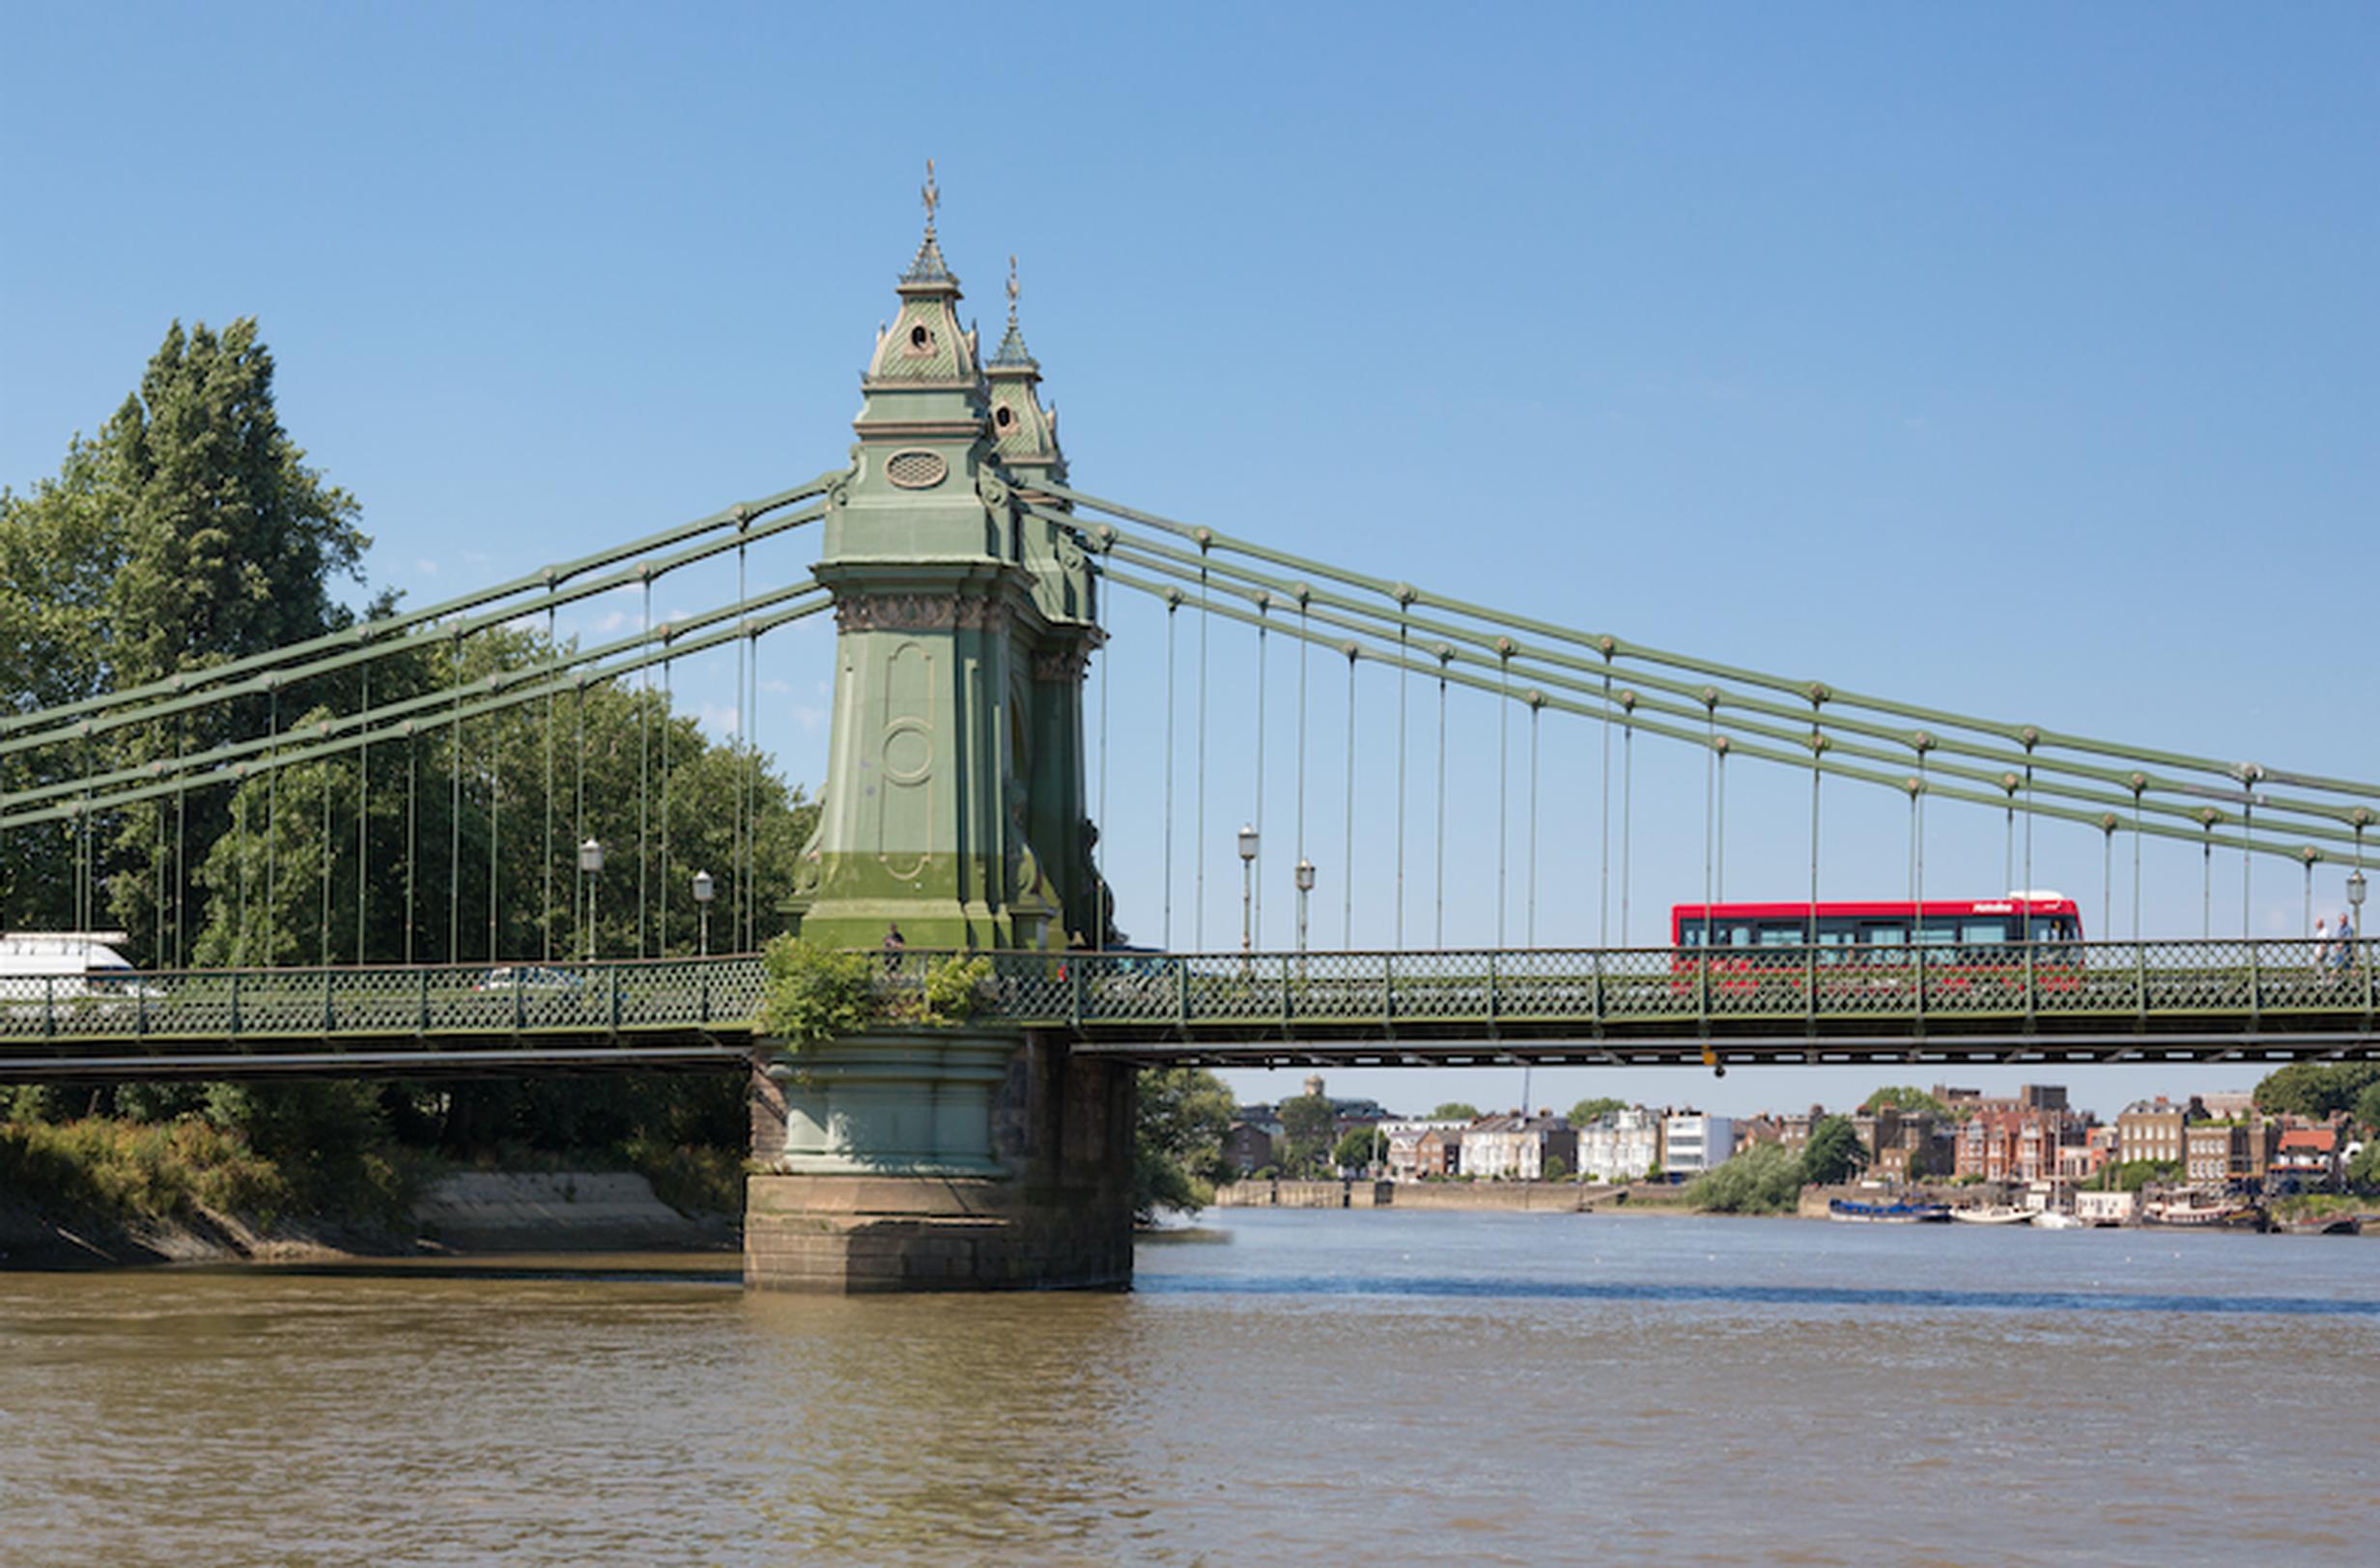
x,y
2053,1220
2321,1225
2190,1213
1887,1213
1992,1213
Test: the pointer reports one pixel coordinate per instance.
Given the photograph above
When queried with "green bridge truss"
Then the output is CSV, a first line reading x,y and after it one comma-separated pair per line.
x,y
2097,1002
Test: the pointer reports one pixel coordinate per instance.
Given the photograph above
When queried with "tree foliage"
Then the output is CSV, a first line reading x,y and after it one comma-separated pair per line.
x,y
1905,1097
1833,1152
1588,1111
2317,1090
815,993
1359,1148
1307,1125
1765,1179
1455,1110
1182,1116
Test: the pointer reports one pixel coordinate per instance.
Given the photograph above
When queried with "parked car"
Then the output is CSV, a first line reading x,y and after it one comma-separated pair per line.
x,y
534,978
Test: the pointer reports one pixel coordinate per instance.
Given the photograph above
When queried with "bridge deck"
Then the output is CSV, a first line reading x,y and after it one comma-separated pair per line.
x,y
2105,1002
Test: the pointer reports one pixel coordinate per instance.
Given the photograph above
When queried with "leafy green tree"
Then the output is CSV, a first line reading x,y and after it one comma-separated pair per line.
x,y
1833,1151
2315,1089
2368,1108
1455,1110
530,783
1765,1179
1182,1116
1306,1127
2363,1170
2134,1174
1359,1148
1591,1110
1556,1168
1905,1097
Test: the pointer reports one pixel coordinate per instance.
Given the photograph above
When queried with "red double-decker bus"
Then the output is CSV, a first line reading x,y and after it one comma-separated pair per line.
x,y
1855,951
1851,931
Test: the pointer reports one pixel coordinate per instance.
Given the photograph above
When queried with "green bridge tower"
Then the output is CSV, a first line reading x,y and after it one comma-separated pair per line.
x,y
953,814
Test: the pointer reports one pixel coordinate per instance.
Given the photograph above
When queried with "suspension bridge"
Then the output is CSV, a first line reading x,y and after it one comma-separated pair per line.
x,y
427,882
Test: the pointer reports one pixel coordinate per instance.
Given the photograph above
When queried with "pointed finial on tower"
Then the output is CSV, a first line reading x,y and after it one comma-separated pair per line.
x,y
930,266
1013,350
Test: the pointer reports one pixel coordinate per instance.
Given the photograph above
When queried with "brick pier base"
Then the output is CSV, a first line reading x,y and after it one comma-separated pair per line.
x,y
1035,1189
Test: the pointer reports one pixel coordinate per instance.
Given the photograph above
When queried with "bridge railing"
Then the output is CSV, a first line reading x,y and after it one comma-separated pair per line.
x,y
2044,983
527,998
2047,986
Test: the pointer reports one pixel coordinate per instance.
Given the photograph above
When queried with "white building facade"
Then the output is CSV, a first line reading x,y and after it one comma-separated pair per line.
x,y
1620,1146
1693,1142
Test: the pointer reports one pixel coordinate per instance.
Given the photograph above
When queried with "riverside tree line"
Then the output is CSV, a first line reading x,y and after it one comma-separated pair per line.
x,y
189,532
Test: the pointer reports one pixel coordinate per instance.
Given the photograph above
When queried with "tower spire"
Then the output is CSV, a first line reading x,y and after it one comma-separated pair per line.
x,y
930,266
1024,432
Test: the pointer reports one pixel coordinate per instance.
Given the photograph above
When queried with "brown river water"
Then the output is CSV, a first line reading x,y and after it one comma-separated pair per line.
x,y
1295,1386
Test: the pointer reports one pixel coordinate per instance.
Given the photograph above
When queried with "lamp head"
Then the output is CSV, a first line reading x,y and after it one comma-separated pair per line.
x,y
704,888
1247,842
591,857
1305,876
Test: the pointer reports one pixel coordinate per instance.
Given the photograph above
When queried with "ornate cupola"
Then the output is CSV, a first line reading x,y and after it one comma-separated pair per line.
x,y
925,346
1024,434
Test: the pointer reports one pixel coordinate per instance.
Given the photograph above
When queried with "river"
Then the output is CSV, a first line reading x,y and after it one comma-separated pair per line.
x,y
1283,1386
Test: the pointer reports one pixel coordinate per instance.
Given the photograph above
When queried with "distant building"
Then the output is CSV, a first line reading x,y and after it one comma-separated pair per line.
x,y
1620,1146
1248,1147
2230,1152
1903,1145
1517,1146
1693,1142
1404,1146
2307,1156
2230,1104
1439,1153
2157,1129
2014,1144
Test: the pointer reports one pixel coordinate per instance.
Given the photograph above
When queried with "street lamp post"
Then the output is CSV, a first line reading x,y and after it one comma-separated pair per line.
x,y
591,865
705,889
1247,887
2355,905
1304,885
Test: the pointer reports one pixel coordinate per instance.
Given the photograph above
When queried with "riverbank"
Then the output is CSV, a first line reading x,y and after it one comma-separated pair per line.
x,y
462,1214
1485,1197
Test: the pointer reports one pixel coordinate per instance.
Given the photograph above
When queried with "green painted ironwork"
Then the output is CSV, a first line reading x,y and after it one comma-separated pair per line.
x,y
2091,1001
373,639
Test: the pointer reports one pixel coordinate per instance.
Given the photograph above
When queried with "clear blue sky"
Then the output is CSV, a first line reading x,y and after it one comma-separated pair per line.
x,y
2018,359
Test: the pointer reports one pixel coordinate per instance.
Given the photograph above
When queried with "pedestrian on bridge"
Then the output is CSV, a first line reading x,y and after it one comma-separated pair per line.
x,y
2322,943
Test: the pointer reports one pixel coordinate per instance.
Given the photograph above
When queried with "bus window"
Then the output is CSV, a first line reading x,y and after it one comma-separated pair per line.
x,y
1774,935
1884,937
1939,933
2053,928
1983,933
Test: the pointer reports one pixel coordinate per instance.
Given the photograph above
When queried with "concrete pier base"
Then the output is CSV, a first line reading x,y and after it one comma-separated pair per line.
x,y
937,1160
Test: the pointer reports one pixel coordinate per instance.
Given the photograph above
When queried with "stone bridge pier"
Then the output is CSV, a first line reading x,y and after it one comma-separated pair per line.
x,y
932,1159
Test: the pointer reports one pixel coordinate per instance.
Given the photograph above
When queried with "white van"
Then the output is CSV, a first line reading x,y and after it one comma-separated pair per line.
x,y
64,967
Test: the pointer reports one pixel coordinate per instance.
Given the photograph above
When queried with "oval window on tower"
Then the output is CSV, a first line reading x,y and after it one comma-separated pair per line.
x,y
915,470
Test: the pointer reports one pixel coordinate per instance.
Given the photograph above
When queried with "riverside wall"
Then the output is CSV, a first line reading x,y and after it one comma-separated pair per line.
x,y
1563,1197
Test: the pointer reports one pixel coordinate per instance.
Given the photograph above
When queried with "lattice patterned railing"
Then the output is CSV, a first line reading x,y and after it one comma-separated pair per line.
x,y
1111,993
